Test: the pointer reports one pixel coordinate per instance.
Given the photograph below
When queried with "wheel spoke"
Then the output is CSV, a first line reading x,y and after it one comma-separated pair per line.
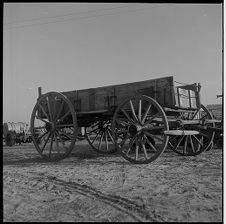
x,y
192,145
130,145
185,145
146,113
61,140
96,136
42,135
139,110
65,115
204,116
202,140
179,142
106,140
44,111
59,111
93,131
173,138
45,142
170,144
124,139
151,119
128,117
57,144
137,147
54,109
101,138
133,111
149,143
51,145
145,152
153,136
110,135
200,143
65,134
49,108
39,118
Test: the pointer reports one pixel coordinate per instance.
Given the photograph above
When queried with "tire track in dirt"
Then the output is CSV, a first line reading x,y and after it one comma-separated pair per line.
x,y
137,212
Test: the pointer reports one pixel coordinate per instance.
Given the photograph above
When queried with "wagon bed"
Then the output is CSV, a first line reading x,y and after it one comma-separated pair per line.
x,y
107,98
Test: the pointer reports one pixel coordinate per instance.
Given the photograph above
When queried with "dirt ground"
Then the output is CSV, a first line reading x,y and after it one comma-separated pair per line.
x,y
91,187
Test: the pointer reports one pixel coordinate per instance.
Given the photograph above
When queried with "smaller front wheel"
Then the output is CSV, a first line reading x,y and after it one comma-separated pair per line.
x,y
192,145
99,136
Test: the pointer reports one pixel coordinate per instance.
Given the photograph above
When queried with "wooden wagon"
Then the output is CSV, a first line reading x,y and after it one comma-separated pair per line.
x,y
140,119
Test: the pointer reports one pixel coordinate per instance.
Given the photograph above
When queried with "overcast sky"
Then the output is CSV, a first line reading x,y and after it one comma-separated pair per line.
x,y
69,46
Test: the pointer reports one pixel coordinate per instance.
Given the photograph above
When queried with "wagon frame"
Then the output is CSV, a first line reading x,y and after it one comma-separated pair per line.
x,y
139,119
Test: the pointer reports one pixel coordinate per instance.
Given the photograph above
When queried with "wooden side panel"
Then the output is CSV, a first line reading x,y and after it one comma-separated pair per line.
x,y
102,98
109,97
72,96
164,92
159,89
85,98
96,99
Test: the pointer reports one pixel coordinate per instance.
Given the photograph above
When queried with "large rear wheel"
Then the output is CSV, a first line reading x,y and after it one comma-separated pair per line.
x,y
138,129
53,126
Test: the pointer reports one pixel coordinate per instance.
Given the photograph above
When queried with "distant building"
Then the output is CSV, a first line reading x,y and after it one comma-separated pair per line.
x,y
216,110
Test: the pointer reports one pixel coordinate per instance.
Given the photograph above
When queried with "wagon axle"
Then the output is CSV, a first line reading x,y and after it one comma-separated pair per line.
x,y
139,129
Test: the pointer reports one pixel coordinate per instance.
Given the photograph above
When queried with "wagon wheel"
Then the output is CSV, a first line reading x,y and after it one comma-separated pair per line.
x,y
53,126
191,145
99,136
10,138
138,126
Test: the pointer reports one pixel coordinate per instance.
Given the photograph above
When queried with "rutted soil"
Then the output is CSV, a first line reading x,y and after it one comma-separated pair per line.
x,y
87,186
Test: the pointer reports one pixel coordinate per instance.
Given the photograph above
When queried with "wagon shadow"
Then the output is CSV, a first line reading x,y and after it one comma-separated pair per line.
x,y
84,153
87,154
25,161
78,156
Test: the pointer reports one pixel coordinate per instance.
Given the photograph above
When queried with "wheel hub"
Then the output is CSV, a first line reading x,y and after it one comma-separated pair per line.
x,y
134,129
50,127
